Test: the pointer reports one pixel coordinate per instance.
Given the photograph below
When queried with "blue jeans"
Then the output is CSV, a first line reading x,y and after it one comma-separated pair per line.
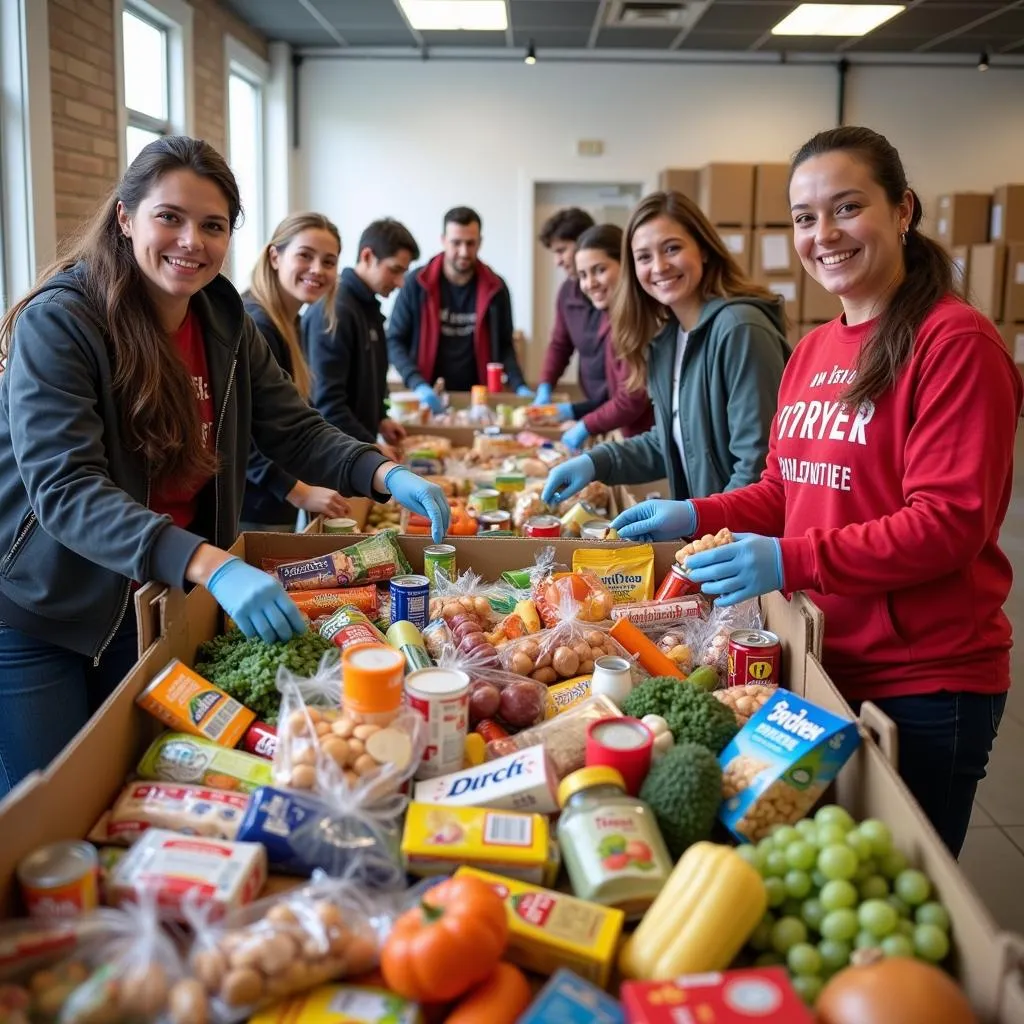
x,y
944,742
48,693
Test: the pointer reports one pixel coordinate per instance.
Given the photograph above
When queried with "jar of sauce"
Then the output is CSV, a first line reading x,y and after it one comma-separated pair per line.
x,y
611,846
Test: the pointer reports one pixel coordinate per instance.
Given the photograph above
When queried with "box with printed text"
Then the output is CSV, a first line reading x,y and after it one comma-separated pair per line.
x,y
780,763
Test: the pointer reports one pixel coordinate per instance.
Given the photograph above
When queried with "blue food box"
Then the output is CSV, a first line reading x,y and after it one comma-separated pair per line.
x,y
779,764
568,999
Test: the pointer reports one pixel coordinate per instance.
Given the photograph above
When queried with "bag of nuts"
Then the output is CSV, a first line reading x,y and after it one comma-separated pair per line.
x,y
466,597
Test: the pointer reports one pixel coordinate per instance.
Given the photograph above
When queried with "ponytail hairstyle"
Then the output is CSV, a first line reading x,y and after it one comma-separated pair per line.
x,y
636,316
267,290
159,417
928,267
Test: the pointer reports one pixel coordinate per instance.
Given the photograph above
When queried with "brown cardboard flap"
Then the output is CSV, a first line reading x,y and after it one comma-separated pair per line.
x,y
882,729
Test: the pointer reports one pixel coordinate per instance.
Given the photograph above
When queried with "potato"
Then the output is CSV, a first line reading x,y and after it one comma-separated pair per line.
x,y
242,987
482,607
521,663
586,667
322,728
364,732
565,662
547,676
343,727
594,637
596,652
143,991
484,699
296,724
531,649
582,649
276,952
521,704
545,660
364,764
187,1003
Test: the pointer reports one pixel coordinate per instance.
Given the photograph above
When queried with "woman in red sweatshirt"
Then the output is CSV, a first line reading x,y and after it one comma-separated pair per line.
x,y
598,266
888,477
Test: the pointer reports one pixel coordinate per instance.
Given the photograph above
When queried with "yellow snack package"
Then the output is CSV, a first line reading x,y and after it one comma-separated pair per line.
x,y
627,572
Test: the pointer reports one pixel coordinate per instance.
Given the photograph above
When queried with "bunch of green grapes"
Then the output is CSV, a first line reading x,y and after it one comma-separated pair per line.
x,y
835,886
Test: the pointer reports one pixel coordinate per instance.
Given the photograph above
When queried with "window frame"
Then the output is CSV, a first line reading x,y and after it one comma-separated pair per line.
x,y
175,17
243,63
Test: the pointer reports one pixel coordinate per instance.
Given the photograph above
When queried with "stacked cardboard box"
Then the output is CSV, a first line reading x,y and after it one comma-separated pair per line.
x,y
680,179
726,195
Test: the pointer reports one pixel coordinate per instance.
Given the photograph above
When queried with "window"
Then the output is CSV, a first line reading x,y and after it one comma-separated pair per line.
x,y
156,46
246,87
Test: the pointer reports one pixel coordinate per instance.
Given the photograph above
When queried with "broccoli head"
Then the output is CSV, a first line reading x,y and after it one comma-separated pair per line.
x,y
684,790
693,716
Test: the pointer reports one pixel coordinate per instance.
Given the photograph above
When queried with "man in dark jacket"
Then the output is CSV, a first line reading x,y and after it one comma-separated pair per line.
x,y
350,364
453,317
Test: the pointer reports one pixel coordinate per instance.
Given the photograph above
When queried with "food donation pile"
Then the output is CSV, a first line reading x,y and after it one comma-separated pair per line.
x,y
564,794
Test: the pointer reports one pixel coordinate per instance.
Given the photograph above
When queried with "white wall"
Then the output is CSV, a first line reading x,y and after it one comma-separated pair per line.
x,y
410,139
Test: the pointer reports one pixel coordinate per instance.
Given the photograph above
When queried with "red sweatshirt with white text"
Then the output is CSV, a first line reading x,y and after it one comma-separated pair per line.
x,y
890,514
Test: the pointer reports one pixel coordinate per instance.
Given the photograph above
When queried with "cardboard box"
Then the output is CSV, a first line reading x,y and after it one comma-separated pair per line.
x,y
962,218
1007,221
727,193
774,254
790,287
771,195
818,306
987,281
680,179
961,257
737,241
1013,295
1013,336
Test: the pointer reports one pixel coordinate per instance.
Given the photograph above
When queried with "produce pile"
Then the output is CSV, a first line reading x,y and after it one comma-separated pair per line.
x,y
531,798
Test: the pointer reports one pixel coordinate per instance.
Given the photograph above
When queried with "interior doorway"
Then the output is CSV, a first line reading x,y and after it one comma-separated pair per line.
x,y
607,203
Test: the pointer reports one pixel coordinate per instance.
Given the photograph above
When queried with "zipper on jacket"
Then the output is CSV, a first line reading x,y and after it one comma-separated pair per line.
x,y
216,449
19,540
124,600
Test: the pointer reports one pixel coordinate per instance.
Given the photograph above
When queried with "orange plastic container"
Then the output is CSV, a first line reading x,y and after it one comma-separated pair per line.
x,y
372,682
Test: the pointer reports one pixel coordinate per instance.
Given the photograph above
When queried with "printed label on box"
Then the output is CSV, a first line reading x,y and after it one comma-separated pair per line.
x,y
1018,274
775,253
997,222
787,289
779,764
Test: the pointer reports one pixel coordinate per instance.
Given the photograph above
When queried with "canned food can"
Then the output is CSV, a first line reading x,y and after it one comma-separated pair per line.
x,y
478,394
485,500
579,514
491,730
260,739
340,526
348,626
441,696
506,483
542,526
755,656
496,520
676,584
439,557
595,529
410,600
409,640
60,880
494,375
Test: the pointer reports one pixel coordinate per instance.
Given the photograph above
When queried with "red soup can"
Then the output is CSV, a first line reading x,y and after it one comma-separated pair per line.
x,y
676,584
755,656
261,740
542,526
494,372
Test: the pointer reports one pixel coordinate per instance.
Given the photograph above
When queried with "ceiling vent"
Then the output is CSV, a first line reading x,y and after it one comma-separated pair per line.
x,y
653,14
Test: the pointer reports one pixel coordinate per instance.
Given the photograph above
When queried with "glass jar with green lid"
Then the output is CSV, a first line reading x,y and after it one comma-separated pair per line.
x,y
611,846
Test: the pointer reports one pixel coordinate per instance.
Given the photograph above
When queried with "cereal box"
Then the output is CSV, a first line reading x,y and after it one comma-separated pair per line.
x,y
779,764
549,931
183,699
761,994
438,840
568,999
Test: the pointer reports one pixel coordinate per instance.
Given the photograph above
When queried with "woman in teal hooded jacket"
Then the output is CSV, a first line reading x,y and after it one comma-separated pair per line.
x,y
708,344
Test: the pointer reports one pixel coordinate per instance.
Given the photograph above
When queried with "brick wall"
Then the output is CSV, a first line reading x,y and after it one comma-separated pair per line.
x,y
82,68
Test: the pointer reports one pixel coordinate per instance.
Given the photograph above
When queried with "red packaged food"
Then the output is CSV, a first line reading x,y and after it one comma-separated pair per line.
x,y
676,584
316,603
754,657
261,740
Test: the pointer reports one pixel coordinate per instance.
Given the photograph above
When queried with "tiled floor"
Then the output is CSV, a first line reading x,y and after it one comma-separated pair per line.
x,y
993,856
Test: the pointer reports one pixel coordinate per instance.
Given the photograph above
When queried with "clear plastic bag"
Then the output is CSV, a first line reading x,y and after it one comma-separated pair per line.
x,y
467,596
695,642
580,594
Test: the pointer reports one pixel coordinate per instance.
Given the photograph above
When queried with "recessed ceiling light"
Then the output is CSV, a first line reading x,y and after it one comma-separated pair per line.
x,y
836,19
475,15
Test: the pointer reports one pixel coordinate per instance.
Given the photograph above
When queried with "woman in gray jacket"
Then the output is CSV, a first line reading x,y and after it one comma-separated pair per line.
x,y
709,345
132,383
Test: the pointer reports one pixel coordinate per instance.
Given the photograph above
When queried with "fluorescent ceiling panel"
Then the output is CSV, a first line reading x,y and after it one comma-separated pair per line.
x,y
441,15
836,19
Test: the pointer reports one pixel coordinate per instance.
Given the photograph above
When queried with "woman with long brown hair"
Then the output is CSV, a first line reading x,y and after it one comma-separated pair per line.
x,y
133,381
297,267
889,476
708,343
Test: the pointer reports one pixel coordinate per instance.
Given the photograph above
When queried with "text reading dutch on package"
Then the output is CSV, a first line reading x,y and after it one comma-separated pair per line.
x,y
779,764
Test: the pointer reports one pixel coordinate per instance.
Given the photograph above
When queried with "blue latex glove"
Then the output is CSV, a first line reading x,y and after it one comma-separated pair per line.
x,y
255,601
749,567
420,496
543,396
428,396
524,392
657,519
564,411
575,436
568,478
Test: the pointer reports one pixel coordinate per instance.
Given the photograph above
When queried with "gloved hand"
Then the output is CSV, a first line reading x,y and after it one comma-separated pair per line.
x,y
564,411
428,396
256,602
419,495
568,478
523,391
750,566
543,396
575,436
657,519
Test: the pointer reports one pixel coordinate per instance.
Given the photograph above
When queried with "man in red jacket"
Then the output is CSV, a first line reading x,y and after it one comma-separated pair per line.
x,y
453,317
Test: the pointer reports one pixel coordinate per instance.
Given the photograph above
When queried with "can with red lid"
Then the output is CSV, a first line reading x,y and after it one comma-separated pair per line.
x,y
755,656
260,739
676,584
542,526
